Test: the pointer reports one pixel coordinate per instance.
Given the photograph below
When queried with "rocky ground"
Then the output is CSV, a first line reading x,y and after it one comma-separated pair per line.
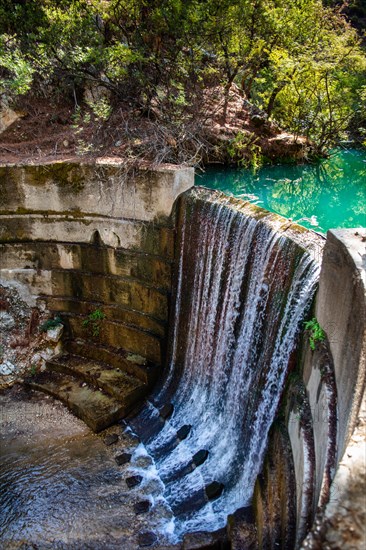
x,y
25,344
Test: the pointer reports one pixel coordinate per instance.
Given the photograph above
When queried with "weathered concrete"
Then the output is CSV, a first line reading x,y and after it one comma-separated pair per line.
x,y
334,372
75,237
79,238
275,494
299,426
108,289
119,336
319,378
341,311
113,312
97,394
155,270
343,523
103,189
125,234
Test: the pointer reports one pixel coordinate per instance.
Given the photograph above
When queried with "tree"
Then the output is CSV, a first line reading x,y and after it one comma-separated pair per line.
x,y
298,61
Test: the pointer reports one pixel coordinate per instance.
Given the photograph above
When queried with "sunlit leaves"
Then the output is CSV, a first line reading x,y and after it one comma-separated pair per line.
x,y
296,59
15,71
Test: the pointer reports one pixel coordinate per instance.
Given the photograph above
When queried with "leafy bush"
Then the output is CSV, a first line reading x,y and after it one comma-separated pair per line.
x,y
244,150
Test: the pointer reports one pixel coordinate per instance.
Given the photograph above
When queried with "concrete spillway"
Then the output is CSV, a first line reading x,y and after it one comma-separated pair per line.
x,y
207,299
242,289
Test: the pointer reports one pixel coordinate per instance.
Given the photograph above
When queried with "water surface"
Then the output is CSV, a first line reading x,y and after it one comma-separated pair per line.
x,y
330,194
60,487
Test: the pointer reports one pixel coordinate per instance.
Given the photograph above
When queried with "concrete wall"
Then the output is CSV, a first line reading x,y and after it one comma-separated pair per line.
x,y
341,311
104,188
322,400
333,375
75,237
275,495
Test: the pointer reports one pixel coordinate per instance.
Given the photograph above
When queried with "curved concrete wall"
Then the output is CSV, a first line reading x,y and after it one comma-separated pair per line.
x,y
319,409
75,237
341,311
321,404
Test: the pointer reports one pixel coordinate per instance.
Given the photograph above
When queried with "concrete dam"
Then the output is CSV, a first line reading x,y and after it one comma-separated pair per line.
x,y
182,314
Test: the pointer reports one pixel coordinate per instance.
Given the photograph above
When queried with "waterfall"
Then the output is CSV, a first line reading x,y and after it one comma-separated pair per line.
x,y
241,290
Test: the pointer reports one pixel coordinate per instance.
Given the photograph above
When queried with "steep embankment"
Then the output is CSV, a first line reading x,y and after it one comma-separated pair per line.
x,y
223,131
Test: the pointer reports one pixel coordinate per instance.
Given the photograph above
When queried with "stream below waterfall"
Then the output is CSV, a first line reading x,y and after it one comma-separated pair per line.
x,y
60,486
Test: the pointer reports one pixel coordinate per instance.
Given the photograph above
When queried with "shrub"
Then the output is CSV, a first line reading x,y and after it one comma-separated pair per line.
x,y
315,331
93,322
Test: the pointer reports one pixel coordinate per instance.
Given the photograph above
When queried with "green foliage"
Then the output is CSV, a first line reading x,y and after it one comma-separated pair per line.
x,y
15,71
51,323
244,150
316,333
93,322
101,108
83,148
300,61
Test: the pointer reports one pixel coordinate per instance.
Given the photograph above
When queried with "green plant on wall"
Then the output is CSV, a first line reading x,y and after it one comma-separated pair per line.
x,y
93,322
51,323
315,331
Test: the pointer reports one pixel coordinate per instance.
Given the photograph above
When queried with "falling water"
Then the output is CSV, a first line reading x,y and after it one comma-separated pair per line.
x,y
241,290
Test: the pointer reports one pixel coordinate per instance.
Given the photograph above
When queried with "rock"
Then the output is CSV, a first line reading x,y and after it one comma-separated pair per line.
x,y
123,458
203,540
94,92
54,334
148,538
36,358
200,457
133,481
166,410
7,321
7,368
258,120
183,432
47,353
143,461
110,439
7,116
142,507
213,490
241,529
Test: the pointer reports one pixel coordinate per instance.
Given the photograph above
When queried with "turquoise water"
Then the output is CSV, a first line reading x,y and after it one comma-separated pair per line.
x,y
327,195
